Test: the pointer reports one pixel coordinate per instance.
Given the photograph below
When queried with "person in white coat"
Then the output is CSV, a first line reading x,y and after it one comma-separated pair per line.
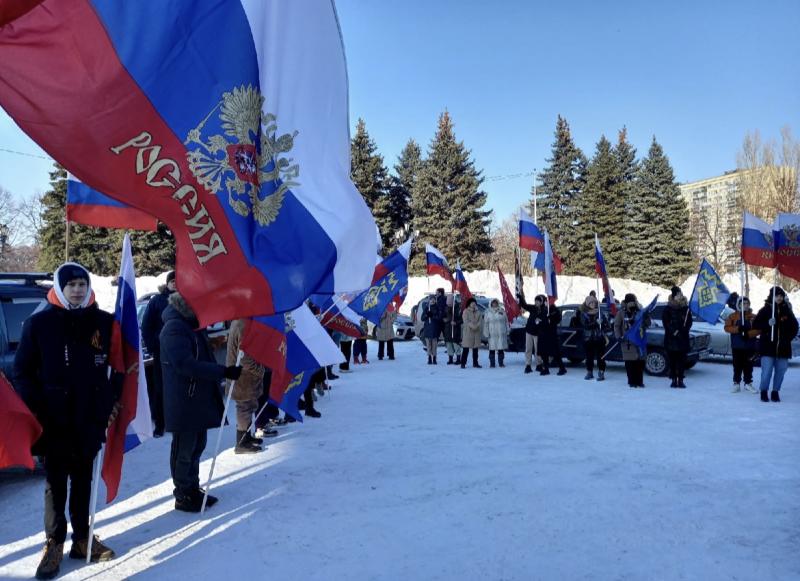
x,y
495,327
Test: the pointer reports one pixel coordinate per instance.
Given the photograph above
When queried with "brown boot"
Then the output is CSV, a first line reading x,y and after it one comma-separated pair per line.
x,y
100,552
51,560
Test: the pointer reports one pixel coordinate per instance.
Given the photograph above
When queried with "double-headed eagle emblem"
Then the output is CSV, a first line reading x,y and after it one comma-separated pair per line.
x,y
245,166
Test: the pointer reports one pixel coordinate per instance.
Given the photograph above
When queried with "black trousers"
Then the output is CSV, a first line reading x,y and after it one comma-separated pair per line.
x,y
635,371
59,469
677,364
346,347
464,353
155,392
595,350
501,355
389,348
743,365
360,349
184,461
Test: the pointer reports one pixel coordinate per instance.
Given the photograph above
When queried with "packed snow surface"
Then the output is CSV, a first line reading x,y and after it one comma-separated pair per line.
x,y
423,472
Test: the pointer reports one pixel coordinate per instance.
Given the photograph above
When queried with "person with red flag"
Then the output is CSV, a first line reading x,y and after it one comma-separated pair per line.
x,y
68,370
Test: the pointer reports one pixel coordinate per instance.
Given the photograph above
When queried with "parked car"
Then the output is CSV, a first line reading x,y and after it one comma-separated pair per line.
x,y
656,362
404,328
21,293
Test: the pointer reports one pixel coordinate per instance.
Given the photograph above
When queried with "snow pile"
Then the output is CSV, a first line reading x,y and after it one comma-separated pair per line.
x,y
571,289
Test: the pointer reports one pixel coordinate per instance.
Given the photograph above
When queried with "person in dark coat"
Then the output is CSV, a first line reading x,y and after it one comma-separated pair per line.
x,y
775,341
633,358
192,398
533,326
433,313
452,330
67,371
151,329
677,322
743,345
548,344
594,325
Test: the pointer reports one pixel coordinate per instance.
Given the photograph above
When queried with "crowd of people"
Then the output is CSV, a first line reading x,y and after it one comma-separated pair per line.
x,y
65,372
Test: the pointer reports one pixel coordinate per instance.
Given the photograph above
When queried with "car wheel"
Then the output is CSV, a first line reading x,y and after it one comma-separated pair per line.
x,y
656,363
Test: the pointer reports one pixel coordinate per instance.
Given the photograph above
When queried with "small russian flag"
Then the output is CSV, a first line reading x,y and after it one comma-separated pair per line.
x,y
530,237
437,264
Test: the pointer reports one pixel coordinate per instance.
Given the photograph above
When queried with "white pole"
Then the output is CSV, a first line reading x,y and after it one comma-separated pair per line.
x,y
98,461
774,284
219,436
535,221
741,290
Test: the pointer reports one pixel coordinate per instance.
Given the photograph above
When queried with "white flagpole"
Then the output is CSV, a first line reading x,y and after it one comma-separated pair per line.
x,y
774,284
98,461
535,221
741,290
219,436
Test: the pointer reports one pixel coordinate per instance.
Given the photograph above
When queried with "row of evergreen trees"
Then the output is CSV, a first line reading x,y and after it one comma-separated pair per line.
x,y
438,196
634,206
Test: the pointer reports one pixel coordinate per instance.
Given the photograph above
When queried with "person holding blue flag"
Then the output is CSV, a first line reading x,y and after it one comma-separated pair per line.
x,y
629,329
677,321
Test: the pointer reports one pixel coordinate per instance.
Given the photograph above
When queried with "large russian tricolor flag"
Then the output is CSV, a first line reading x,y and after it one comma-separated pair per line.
x,y
530,237
91,208
787,244
133,424
293,345
437,263
225,119
758,242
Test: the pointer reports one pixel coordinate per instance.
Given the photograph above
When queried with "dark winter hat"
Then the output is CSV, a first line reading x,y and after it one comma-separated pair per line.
x,y
630,298
170,276
71,271
676,290
778,291
540,298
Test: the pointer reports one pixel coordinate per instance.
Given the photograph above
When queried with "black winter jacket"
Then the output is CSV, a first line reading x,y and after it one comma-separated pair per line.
x,y
677,321
587,322
785,331
191,375
61,371
152,323
536,317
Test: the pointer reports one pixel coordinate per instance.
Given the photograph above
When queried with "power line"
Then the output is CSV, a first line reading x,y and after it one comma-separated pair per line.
x,y
25,154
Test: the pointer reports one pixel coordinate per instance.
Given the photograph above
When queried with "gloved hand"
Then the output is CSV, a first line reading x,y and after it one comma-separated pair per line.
x,y
233,372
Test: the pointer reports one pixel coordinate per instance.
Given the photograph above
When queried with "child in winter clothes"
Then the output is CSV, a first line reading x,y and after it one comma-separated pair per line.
x,y
360,346
742,344
495,327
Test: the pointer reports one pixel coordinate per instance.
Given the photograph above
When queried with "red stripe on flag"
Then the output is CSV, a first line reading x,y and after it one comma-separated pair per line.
x,y
19,429
264,344
111,217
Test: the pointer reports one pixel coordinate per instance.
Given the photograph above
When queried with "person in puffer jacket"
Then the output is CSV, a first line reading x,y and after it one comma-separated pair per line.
x,y
775,332
743,345
594,325
677,322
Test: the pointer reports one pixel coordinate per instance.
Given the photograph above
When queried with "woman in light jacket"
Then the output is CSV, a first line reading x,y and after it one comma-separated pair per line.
x,y
385,332
495,327
471,332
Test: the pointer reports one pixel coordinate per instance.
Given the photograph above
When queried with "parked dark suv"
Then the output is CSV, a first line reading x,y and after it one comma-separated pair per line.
x,y
21,293
571,339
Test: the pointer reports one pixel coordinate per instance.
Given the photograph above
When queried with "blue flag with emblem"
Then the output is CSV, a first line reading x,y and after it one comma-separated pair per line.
x,y
637,334
710,295
372,303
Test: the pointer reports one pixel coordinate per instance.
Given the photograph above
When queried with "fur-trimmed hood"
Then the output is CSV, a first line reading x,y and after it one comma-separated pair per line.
x,y
179,304
678,302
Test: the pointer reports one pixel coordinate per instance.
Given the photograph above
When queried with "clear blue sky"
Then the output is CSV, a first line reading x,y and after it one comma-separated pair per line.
x,y
697,75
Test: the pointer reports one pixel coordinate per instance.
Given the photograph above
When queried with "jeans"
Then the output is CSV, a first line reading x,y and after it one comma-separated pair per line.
x,y
778,365
184,461
57,470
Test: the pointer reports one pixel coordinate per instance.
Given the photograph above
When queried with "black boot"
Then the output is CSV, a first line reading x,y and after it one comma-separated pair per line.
x,y
562,371
312,413
449,359
244,444
775,396
680,383
674,383
764,396
491,358
434,359
544,371
464,358
475,359
430,360
501,357
528,369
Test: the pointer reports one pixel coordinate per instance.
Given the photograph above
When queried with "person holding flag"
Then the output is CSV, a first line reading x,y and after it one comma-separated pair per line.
x,y
629,329
677,320
452,328
593,324
776,326
68,370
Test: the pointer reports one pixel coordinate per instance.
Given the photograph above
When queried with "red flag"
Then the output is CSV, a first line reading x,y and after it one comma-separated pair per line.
x,y
509,303
18,428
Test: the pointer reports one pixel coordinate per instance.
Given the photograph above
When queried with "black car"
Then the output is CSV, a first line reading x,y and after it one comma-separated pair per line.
x,y
571,339
21,293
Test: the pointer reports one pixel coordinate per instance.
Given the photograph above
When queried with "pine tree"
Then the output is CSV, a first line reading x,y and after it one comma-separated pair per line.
x,y
666,257
627,168
600,210
562,184
447,202
407,169
371,178
153,252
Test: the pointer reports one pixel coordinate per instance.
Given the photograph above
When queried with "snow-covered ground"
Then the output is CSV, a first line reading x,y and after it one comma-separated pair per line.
x,y
421,472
